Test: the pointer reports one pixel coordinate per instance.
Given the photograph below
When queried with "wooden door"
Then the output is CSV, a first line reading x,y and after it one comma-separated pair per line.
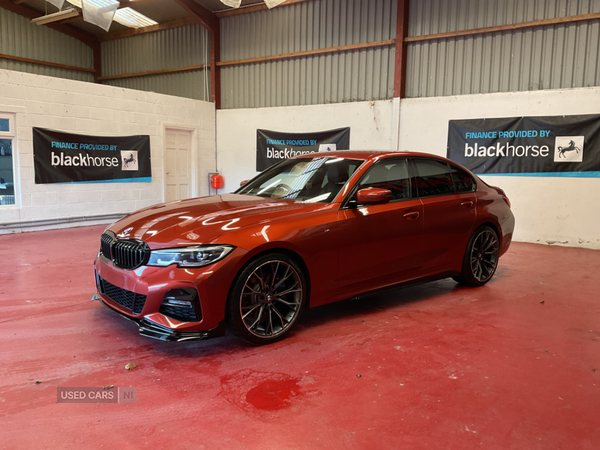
x,y
178,164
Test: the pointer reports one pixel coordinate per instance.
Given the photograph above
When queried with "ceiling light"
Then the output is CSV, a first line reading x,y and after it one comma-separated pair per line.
x,y
236,3
60,15
273,3
232,3
129,17
99,12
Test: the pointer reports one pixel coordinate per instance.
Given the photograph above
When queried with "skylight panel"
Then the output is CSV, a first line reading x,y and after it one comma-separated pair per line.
x,y
129,17
99,12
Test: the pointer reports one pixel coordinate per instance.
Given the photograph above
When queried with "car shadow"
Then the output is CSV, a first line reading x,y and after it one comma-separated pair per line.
x,y
393,297
373,302
321,316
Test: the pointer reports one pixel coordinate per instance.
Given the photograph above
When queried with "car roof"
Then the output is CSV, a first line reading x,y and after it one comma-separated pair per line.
x,y
369,154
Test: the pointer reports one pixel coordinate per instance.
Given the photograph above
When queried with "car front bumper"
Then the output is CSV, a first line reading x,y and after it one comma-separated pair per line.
x,y
156,331
153,283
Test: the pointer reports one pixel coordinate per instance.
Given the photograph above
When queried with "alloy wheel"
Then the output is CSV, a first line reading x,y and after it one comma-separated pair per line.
x,y
484,255
271,298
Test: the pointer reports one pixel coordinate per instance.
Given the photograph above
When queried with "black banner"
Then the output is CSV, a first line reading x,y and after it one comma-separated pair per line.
x,y
63,157
274,146
534,146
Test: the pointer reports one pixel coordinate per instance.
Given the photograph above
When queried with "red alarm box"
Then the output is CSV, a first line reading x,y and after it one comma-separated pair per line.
x,y
217,182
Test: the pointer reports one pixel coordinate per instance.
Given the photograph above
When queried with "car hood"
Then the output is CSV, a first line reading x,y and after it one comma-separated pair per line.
x,y
203,220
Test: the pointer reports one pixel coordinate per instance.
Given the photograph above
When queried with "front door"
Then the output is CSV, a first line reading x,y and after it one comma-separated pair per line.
x,y
178,164
381,244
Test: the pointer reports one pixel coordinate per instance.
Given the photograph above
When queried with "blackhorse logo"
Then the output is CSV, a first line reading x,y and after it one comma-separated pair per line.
x,y
568,148
563,150
130,160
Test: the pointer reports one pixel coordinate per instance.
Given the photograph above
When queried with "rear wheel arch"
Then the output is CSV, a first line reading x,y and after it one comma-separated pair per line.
x,y
477,227
493,226
481,256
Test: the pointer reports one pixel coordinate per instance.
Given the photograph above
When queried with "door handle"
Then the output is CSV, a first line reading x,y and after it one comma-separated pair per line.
x,y
412,215
467,204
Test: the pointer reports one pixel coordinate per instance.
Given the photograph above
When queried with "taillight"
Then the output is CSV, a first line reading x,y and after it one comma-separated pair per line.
x,y
506,200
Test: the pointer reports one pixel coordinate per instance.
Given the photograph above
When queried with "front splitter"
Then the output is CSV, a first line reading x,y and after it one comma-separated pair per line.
x,y
156,331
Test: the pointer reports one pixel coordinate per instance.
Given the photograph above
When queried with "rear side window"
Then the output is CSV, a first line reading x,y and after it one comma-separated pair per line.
x,y
463,182
389,174
433,178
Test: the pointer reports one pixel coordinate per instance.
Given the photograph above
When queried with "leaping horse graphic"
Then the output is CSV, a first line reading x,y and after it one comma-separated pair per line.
x,y
563,150
131,159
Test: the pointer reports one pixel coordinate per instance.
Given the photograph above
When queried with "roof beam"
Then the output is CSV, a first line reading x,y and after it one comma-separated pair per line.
x,y
97,52
88,39
46,63
507,27
204,16
153,72
401,48
215,57
306,53
133,3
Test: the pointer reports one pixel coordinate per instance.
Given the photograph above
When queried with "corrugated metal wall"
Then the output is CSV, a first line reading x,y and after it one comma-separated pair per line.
x,y
178,47
343,77
551,57
19,37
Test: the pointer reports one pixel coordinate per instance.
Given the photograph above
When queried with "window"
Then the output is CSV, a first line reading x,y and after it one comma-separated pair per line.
x,y
4,124
317,179
7,179
389,174
433,178
463,182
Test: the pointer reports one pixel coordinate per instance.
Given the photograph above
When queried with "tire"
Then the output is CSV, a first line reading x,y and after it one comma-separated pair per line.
x,y
481,258
266,299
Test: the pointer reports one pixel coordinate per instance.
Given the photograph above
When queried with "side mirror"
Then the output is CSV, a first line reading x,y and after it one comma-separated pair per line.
x,y
373,196
243,182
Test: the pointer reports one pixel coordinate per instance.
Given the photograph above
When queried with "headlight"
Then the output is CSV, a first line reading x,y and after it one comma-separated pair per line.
x,y
197,256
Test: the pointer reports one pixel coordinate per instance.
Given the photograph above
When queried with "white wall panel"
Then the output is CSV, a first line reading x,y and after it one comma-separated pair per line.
x,y
372,126
547,209
93,109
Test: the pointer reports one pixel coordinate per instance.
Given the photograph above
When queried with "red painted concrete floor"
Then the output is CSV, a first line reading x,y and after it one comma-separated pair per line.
x,y
512,365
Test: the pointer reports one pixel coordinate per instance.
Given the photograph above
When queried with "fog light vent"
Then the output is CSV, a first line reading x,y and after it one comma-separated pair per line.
x,y
175,302
182,305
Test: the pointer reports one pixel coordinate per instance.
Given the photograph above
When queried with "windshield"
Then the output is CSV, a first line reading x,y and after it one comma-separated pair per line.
x,y
304,179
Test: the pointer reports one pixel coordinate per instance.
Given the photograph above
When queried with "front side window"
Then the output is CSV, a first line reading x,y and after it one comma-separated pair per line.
x,y
389,174
317,179
433,178
7,178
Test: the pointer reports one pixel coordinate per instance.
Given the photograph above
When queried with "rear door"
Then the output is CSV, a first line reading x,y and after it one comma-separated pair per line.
x,y
448,196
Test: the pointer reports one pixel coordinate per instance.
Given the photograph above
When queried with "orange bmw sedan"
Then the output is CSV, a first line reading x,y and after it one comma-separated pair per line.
x,y
308,231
